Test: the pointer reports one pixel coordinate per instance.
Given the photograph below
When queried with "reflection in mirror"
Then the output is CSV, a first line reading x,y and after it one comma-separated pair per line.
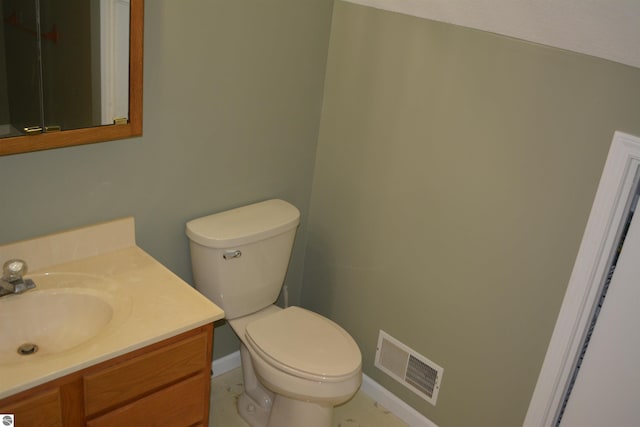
x,y
65,64
69,65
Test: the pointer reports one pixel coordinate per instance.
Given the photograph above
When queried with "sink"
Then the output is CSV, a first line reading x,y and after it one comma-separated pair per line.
x,y
65,310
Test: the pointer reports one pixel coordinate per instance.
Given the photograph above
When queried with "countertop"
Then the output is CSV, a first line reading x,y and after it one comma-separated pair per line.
x,y
155,305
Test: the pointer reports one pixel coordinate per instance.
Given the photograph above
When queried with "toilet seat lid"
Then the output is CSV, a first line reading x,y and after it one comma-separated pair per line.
x,y
305,344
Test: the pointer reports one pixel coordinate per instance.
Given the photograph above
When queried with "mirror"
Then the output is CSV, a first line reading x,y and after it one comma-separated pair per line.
x,y
66,97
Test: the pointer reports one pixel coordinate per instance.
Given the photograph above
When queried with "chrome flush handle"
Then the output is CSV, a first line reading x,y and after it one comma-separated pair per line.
x,y
235,253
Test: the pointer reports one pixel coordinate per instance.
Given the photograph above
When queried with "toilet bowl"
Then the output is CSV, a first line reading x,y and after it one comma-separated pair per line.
x,y
296,363
304,365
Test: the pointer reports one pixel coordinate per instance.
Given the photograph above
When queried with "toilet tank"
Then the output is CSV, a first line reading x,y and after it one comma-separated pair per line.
x,y
240,257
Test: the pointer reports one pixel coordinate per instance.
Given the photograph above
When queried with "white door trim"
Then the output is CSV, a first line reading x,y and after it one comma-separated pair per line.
x,y
616,185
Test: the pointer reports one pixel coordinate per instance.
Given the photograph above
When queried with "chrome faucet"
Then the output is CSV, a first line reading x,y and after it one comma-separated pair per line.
x,y
12,281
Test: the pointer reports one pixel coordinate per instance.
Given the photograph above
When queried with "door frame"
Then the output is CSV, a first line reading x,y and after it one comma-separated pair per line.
x,y
598,242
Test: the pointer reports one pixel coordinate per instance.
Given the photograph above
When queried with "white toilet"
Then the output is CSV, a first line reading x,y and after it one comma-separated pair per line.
x,y
296,364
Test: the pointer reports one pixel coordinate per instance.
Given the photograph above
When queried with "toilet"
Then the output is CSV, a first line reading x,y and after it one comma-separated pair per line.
x,y
297,365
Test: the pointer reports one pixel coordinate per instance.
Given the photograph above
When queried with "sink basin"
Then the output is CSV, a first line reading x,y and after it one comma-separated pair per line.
x,y
64,311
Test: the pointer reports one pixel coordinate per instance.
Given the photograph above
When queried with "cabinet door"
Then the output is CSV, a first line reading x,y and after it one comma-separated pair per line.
x,y
42,410
182,404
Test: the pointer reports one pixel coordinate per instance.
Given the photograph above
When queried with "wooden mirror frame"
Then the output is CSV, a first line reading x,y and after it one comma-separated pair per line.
x,y
66,138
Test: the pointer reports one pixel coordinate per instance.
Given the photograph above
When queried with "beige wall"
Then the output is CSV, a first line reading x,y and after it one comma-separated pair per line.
x,y
454,176
232,98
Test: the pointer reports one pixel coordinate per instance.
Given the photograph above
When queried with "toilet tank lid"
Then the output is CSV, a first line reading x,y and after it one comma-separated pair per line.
x,y
244,225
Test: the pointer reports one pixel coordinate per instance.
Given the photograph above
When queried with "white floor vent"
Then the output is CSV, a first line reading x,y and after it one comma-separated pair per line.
x,y
411,369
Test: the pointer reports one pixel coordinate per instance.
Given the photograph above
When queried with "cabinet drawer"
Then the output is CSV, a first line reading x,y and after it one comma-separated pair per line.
x,y
139,376
182,404
40,410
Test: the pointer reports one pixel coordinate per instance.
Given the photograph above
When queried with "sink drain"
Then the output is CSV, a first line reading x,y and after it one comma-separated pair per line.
x,y
27,349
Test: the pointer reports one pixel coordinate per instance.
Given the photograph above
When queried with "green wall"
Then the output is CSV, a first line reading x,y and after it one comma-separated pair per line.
x,y
232,99
454,176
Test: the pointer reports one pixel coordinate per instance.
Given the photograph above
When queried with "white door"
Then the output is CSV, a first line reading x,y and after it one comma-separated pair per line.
x,y
607,388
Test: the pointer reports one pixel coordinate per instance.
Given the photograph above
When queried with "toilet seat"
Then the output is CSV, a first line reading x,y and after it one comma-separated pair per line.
x,y
304,344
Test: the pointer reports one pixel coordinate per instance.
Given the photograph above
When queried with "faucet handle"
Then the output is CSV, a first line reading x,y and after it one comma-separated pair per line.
x,y
14,269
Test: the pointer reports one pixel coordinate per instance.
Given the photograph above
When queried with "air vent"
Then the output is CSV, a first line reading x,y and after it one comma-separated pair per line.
x,y
409,368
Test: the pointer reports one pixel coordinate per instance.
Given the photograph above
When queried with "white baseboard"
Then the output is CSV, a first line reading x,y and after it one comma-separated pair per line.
x,y
226,363
374,390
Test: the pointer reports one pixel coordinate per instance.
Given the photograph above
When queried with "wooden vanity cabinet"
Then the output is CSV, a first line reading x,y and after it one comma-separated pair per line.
x,y
42,409
167,384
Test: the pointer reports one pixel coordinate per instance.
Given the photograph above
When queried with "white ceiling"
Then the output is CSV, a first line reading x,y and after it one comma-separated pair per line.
x,y
607,29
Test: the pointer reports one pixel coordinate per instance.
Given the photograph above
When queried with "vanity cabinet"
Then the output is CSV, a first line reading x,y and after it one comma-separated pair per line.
x,y
42,409
167,383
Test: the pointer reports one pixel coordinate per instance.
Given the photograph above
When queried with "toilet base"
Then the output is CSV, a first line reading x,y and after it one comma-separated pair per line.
x,y
285,412
250,411
260,407
254,405
288,412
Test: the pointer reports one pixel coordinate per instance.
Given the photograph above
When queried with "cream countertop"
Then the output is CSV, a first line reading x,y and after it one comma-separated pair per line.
x,y
154,304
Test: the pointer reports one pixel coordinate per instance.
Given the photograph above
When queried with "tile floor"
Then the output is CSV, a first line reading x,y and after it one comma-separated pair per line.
x,y
361,411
